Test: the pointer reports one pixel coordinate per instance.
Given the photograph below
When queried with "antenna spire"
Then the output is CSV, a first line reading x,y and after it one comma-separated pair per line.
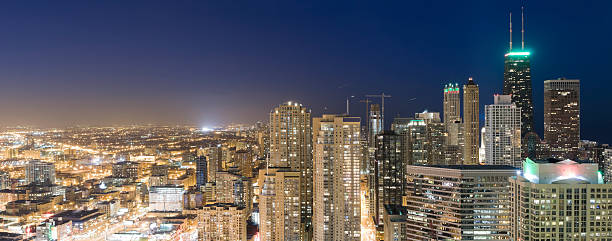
x,y
510,30
523,25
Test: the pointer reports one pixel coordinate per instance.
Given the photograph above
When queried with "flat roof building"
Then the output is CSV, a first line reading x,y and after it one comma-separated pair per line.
x,y
458,202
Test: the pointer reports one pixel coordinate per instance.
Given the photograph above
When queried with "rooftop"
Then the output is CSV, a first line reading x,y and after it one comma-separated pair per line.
x,y
475,167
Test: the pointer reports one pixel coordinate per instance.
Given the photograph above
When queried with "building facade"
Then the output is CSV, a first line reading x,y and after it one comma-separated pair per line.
x,y
451,103
471,122
279,205
502,132
40,172
166,198
562,117
201,171
222,222
388,173
291,146
458,202
337,161
517,83
560,200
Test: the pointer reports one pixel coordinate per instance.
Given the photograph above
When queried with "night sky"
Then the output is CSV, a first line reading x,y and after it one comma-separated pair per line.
x,y
190,62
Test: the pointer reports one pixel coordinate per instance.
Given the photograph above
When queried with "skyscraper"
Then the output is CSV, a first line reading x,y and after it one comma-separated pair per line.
x,y
451,103
213,162
375,122
201,171
417,143
471,123
279,205
562,117
517,80
560,200
424,138
337,160
458,202
291,146
502,132
388,173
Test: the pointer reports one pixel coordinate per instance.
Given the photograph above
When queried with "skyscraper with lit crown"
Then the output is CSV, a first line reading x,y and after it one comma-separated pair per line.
x,y
517,79
451,103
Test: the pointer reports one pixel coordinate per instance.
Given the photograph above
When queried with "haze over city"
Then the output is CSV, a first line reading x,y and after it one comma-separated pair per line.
x,y
210,63
305,121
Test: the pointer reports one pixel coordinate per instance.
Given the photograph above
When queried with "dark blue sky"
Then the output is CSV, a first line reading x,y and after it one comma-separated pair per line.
x,y
205,63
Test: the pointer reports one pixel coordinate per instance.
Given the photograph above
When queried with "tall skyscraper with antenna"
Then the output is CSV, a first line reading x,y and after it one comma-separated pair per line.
x,y
517,78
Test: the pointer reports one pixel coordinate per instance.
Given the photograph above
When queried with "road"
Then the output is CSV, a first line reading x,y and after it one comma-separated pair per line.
x,y
368,231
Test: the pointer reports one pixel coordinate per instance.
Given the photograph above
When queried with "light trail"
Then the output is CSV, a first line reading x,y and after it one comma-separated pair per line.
x,y
368,231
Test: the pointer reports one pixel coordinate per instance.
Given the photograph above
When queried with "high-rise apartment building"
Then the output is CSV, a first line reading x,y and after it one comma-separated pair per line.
x,y
40,172
244,161
562,117
234,188
222,221
458,202
291,146
213,161
560,200
279,204
471,122
502,132
388,173
451,103
337,161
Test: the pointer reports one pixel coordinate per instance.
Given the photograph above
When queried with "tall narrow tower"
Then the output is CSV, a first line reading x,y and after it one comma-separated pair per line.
x,y
375,122
517,78
291,147
471,122
451,103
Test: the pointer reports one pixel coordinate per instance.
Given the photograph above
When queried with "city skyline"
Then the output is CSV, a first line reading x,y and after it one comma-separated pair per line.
x,y
210,64
279,121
